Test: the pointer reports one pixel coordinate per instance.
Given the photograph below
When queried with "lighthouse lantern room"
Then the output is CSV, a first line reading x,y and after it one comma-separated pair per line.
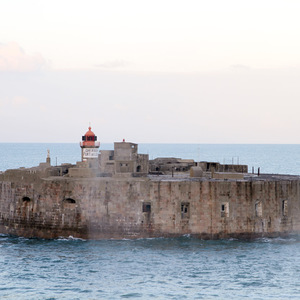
x,y
89,146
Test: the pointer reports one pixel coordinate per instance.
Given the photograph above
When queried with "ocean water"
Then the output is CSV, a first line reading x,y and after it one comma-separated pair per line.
x,y
160,268
181,268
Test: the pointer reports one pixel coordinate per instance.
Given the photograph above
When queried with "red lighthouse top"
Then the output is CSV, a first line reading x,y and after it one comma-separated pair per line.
x,y
89,139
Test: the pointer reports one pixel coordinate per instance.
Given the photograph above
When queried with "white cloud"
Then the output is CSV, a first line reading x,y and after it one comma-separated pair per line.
x,y
13,58
43,108
113,64
19,101
120,107
240,67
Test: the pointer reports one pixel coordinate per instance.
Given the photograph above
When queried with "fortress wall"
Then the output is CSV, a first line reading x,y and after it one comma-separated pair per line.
x,y
240,201
112,208
37,210
140,207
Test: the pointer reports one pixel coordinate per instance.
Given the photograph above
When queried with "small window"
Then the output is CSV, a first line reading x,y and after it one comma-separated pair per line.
x,y
26,199
258,209
185,210
69,200
138,169
146,207
225,210
284,208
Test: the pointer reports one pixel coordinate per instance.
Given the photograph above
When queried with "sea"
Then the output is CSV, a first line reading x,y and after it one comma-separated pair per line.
x,y
154,268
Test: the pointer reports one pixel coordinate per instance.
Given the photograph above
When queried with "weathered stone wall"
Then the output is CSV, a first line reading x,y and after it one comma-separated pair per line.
x,y
170,164
124,159
217,167
106,162
142,164
145,207
125,151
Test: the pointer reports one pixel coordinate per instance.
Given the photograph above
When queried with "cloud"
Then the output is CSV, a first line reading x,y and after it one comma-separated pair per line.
x,y
113,64
43,108
19,101
120,107
13,58
239,67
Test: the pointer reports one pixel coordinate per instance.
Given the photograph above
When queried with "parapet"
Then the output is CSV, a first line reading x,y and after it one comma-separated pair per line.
x,y
226,175
217,167
166,165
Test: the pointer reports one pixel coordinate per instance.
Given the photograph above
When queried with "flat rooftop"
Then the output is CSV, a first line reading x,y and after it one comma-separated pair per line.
x,y
247,177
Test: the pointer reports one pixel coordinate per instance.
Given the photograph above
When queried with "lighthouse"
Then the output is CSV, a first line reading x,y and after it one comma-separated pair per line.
x,y
89,148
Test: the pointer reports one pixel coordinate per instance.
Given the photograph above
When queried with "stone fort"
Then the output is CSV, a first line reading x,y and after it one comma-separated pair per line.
x,y
120,193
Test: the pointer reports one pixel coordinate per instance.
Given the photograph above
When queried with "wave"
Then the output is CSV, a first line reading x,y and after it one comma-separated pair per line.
x,y
289,239
70,238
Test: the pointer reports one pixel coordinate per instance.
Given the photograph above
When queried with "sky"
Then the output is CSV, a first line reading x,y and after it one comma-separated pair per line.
x,y
163,71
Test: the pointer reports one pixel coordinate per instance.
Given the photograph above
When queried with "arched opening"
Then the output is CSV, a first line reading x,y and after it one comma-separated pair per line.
x,y
26,199
65,172
69,200
138,168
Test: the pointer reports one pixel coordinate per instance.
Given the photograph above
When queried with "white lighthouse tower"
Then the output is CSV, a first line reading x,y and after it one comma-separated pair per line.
x,y
89,148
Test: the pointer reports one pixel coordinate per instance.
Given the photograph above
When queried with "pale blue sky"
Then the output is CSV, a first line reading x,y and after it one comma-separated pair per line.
x,y
150,71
